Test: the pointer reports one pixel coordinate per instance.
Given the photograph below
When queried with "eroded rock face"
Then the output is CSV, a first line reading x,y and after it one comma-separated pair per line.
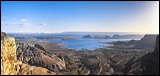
x,y
3,34
11,66
157,44
33,55
97,66
145,65
51,63
148,41
150,62
8,55
34,70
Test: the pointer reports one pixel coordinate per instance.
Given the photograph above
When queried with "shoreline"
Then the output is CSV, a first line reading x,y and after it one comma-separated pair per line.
x,y
114,59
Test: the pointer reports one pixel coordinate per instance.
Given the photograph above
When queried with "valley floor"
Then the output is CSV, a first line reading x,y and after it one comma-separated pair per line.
x,y
86,62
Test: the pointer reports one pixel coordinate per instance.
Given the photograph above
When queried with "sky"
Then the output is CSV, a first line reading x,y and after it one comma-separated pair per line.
x,y
87,16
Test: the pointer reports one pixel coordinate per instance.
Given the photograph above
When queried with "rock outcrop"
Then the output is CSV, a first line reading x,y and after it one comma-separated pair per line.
x,y
52,63
8,55
148,41
10,65
150,62
128,44
157,44
36,55
145,65
87,36
132,42
26,69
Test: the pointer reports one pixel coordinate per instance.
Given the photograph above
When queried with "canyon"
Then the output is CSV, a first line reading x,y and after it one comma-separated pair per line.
x,y
32,57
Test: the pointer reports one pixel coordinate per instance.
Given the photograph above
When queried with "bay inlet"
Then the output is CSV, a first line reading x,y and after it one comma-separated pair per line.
x,y
83,43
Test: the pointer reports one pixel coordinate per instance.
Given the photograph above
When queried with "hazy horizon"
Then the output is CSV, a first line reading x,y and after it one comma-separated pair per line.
x,y
81,16
75,32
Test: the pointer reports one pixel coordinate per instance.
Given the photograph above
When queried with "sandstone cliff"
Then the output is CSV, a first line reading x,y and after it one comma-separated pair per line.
x,y
11,66
8,55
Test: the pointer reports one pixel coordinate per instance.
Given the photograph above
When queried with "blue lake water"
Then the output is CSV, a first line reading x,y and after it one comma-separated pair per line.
x,y
83,43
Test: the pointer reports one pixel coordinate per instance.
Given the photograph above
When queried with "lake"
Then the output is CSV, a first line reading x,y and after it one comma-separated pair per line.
x,y
83,43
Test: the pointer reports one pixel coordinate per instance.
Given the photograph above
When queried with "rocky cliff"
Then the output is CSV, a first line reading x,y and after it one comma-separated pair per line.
x,y
157,44
148,41
145,65
8,55
150,62
11,66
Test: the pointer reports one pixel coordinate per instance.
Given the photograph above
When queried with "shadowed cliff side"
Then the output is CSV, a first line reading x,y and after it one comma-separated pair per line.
x,y
146,65
150,62
148,41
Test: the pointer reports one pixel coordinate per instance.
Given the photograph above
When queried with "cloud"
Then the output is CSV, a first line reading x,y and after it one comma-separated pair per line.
x,y
16,23
42,24
23,19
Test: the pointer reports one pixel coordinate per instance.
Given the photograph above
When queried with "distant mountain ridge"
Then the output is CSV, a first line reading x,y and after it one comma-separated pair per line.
x,y
79,34
91,33
103,33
